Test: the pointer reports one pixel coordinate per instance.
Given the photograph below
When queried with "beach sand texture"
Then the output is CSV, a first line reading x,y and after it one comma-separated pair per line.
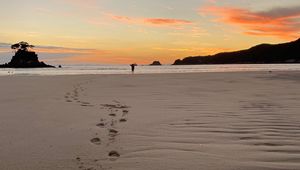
x,y
209,121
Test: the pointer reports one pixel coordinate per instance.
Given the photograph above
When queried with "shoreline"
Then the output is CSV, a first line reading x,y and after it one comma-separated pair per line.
x,y
143,74
148,70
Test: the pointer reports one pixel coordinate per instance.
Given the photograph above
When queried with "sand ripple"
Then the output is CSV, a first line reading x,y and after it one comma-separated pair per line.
x,y
257,132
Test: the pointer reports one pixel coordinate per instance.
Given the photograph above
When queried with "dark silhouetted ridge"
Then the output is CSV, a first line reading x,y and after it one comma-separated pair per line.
x,y
260,54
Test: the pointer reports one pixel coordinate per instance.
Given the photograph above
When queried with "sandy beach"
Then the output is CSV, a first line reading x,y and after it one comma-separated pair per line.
x,y
209,121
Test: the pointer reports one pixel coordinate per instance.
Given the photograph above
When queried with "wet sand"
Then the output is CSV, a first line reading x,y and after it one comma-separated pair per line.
x,y
209,121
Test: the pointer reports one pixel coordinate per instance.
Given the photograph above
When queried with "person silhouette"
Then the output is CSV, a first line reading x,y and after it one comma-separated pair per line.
x,y
133,67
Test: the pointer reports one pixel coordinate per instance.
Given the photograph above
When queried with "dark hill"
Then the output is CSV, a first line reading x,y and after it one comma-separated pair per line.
x,y
260,54
155,63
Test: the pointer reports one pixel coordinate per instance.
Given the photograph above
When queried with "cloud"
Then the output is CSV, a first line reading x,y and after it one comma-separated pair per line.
x,y
124,19
195,50
164,22
5,45
62,55
69,55
278,22
63,50
57,55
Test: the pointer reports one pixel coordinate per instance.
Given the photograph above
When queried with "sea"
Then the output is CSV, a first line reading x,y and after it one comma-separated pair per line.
x,y
146,69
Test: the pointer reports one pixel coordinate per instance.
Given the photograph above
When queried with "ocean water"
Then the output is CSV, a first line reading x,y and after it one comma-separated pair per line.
x,y
143,69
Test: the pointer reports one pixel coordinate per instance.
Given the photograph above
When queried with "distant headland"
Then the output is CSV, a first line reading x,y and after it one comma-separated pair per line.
x,y
260,54
24,57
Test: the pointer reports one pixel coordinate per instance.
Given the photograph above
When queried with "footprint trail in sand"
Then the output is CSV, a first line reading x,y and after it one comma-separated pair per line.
x,y
110,117
74,96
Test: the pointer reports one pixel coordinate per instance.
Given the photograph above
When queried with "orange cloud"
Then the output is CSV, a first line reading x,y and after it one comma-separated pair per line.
x,y
72,55
165,21
169,22
279,22
123,19
195,50
62,50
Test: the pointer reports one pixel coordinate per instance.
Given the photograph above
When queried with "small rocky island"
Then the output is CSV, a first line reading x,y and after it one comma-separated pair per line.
x,y
24,57
155,63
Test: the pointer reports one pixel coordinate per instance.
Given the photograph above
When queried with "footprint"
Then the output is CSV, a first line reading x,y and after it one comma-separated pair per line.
x,y
112,114
101,125
96,141
114,154
113,106
125,112
123,120
112,132
80,163
86,105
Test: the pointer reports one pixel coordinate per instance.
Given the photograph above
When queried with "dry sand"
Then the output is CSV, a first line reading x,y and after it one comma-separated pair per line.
x,y
209,121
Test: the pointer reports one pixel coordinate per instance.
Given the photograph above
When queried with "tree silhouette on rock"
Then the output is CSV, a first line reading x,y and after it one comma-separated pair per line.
x,y
24,46
24,57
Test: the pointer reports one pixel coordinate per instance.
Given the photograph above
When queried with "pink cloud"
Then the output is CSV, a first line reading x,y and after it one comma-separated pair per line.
x,y
169,22
278,22
166,21
123,19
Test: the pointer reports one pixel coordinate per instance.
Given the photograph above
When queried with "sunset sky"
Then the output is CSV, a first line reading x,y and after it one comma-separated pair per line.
x,y
140,31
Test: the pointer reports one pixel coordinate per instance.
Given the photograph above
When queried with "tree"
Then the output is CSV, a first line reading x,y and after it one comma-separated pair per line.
x,y
23,46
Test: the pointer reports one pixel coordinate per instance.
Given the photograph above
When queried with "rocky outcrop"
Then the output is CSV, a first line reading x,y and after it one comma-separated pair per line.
x,y
155,63
260,54
25,59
